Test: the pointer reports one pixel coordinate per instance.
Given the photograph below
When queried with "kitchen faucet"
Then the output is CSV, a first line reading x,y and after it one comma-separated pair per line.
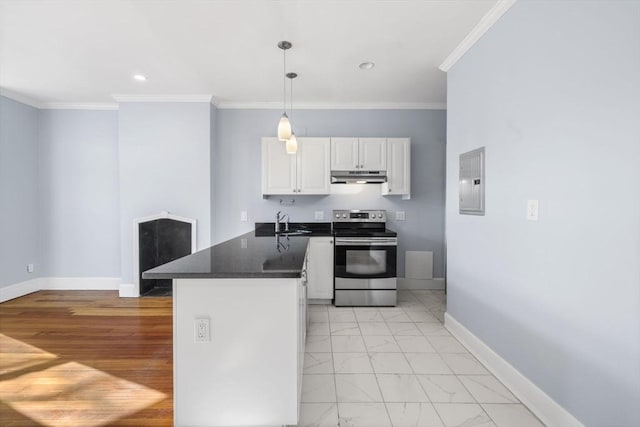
x,y
281,218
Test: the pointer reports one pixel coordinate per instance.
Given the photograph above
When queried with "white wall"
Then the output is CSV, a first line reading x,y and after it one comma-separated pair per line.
x,y
553,92
164,165
19,203
237,173
78,177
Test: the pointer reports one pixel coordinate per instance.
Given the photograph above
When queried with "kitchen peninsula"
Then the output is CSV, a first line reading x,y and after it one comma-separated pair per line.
x,y
239,330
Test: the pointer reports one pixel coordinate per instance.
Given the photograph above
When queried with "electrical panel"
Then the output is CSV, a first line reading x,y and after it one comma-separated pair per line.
x,y
472,182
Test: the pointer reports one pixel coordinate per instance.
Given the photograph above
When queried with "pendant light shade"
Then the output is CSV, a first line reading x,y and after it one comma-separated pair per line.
x,y
284,128
292,144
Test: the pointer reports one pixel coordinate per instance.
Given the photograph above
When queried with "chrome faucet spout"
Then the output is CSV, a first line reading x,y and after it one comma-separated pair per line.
x,y
281,217
277,223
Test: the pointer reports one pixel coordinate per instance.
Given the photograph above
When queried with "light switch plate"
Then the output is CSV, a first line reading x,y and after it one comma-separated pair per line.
x,y
532,210
319,215
244,216
400,216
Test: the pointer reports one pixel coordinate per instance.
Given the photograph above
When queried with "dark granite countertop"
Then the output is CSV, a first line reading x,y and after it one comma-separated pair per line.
x,y
258,254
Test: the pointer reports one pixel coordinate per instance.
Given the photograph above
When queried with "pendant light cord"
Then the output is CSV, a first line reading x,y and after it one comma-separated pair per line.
x,y
284,82
291,92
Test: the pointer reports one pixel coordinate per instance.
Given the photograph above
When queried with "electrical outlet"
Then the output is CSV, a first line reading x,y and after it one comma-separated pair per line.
x,y
400,216
29,268
201,329
319,215
244,216
532,210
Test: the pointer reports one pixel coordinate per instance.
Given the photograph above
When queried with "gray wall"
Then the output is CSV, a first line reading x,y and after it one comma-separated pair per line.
x,y
90,173
18,192
164,165
553,92
237,173
79,218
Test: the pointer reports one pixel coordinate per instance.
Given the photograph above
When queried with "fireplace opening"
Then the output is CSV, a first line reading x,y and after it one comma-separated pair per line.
x,y
161,241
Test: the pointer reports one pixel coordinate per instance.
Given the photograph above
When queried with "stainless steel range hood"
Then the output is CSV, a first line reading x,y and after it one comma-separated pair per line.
x,y
358,177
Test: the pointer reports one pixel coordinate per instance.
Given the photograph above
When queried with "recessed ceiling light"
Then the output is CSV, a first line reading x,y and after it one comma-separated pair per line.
x,y
366,65
139,77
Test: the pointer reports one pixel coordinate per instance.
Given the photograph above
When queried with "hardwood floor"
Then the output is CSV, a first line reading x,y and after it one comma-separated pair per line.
x,y
86,358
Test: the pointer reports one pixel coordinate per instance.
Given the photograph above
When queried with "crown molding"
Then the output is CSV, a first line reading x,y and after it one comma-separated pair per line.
x,y
478,31
79,106
162,98
223,105
23,99
336,106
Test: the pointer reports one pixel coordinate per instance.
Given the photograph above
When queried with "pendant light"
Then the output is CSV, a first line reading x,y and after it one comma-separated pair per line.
x,y
284,126
292,143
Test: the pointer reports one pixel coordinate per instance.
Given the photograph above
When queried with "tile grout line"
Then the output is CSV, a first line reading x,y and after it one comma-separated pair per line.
x,y
425,391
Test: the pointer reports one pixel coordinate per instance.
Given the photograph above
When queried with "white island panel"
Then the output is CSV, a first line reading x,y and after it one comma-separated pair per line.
x,y
247,374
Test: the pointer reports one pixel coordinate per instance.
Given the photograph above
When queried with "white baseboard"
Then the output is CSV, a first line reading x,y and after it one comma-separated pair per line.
x,y
128,290
81,283
429,284
60,284
20,289
543,406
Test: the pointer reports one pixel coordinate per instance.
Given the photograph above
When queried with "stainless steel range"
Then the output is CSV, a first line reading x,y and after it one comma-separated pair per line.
x,y
365,259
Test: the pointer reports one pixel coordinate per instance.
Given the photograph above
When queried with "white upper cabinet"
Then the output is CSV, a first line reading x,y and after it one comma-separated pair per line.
x,y
344,154
398,167
278,168
373,154
313,174
350,154
306,172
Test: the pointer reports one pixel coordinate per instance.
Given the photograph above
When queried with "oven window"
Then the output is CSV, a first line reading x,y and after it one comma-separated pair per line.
x,y
366,263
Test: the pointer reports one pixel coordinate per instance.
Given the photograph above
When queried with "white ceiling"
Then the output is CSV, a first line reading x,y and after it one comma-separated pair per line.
x,y
87,51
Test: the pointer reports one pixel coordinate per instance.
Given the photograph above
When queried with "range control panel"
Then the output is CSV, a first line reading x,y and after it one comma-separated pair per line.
x,y
359,216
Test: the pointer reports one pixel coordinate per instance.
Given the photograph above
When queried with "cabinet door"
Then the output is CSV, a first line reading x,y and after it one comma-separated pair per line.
x,y
398,167
320,268
344,154
373,154
313,166
278,168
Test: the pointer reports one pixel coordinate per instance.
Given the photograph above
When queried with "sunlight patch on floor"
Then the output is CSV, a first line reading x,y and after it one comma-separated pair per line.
x,y
16,355
73,394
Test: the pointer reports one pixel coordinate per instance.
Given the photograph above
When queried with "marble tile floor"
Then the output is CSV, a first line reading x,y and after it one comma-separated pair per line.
x,y
398,367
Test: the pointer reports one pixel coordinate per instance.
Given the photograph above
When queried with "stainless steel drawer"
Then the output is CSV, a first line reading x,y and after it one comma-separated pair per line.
x,y
365,298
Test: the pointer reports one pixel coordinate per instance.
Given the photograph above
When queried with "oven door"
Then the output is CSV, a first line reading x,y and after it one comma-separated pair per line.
x,y
365,258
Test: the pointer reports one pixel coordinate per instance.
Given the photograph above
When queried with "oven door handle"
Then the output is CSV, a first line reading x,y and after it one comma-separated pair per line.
x,y
380,241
